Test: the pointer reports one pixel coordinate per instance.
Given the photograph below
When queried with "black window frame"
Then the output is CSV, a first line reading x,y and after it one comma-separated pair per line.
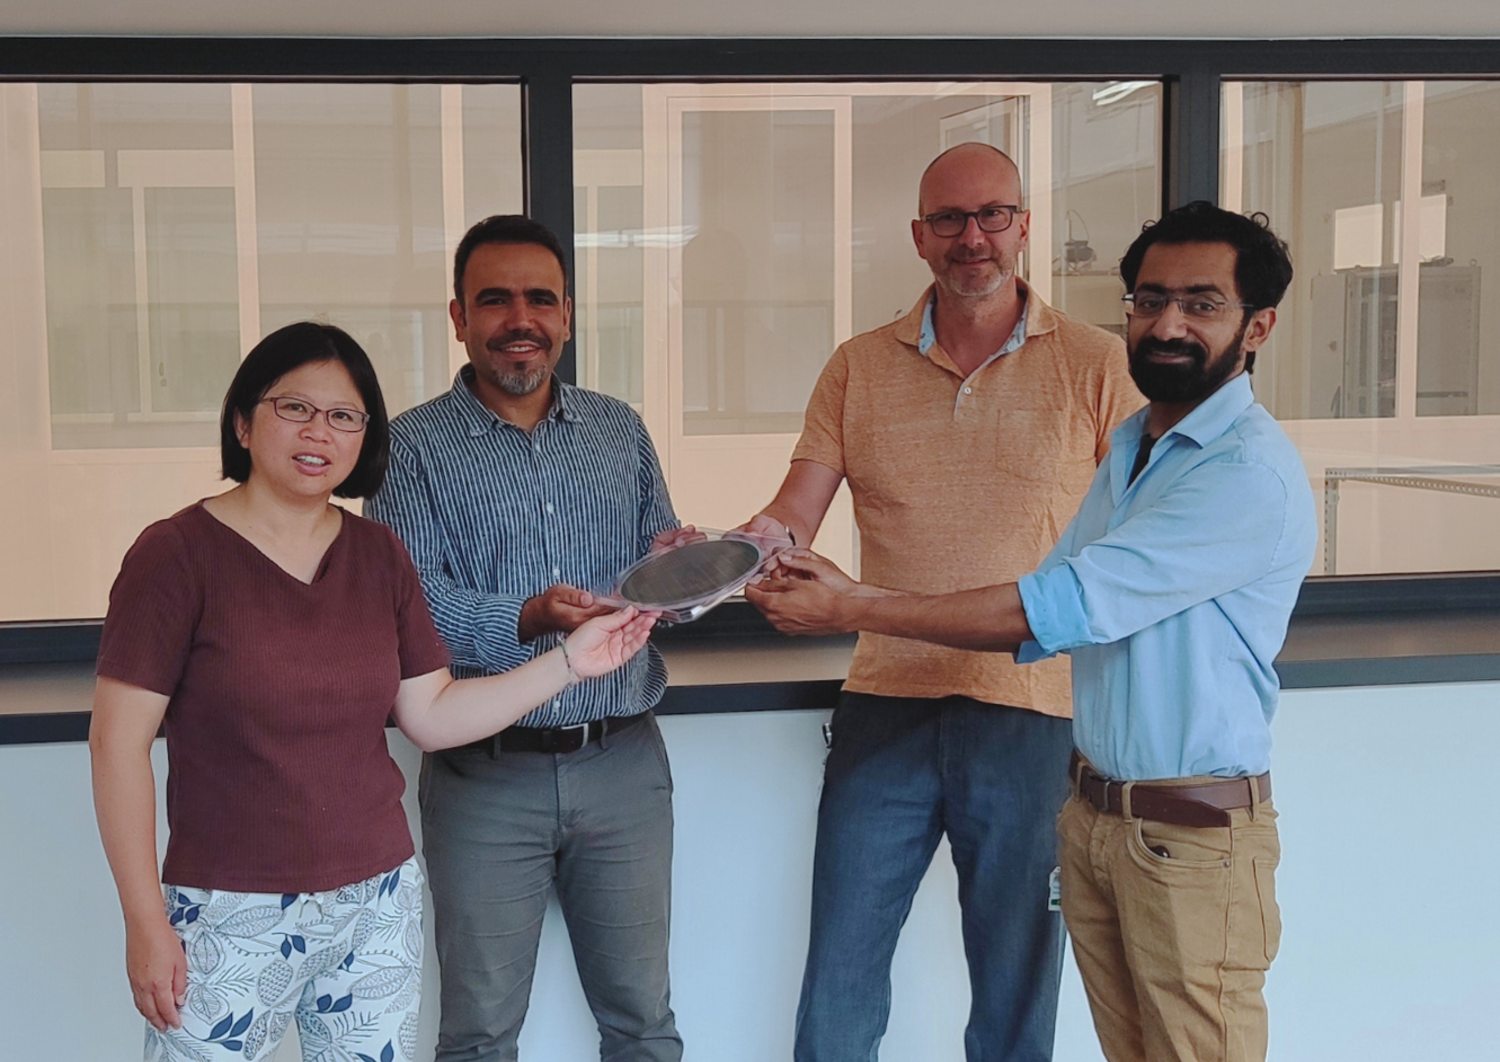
x,y
1191,72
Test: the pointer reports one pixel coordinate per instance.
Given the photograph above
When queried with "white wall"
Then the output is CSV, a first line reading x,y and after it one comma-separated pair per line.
x,y
691,18
1386,889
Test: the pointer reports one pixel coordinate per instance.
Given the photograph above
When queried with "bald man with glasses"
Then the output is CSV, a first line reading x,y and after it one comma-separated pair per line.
x,y
968,431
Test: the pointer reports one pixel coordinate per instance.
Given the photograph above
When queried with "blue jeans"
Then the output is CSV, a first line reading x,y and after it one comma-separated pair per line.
x,y
901,773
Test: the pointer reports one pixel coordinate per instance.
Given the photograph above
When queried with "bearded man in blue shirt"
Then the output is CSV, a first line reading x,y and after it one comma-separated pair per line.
x,y
1171,589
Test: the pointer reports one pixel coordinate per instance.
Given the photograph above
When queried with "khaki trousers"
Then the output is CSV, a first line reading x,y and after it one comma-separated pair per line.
x,y
1173,948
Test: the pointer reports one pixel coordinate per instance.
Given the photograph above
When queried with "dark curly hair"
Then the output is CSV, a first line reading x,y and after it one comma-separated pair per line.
x,y
1262,265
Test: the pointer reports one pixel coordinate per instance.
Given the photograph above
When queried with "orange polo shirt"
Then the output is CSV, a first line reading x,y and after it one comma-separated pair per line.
x,y
960,483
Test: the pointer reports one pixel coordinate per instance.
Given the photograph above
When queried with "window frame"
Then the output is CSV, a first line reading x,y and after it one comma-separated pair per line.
x,y
1191,72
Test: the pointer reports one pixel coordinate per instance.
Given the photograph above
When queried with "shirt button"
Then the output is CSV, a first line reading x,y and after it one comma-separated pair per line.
x,y
968,390
548,508
557,573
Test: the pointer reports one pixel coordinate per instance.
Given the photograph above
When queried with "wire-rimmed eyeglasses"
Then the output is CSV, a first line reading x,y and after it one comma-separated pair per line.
x,y
339,418
1149,304
993,218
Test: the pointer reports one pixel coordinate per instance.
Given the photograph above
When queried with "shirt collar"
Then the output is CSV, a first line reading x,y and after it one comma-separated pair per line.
x,y
927,337
1039,318
480,418
1211,419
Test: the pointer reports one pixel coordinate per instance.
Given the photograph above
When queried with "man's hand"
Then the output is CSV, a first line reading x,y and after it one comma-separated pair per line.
x,y
763,526
673,537
803,593
562,608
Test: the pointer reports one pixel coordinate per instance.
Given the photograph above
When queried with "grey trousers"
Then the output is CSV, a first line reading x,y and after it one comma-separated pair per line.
x,y
498,833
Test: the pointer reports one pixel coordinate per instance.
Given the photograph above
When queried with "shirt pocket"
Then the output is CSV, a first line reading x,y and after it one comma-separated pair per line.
x,y
1036,446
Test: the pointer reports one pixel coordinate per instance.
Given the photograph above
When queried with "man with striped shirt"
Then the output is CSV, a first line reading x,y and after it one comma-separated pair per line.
x,y
515,493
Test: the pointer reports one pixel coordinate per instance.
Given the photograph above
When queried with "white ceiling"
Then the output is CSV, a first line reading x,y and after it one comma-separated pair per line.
x,y
736,18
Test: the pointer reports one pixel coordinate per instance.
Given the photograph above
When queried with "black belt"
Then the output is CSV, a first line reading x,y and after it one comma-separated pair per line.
x,y
1200,804
553,739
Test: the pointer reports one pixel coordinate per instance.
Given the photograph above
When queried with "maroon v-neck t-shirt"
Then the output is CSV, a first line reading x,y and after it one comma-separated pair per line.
x,y
279,779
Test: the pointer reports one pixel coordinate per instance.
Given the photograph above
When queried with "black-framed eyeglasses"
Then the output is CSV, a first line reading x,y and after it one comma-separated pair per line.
x,y
1149,304
339,418
995,218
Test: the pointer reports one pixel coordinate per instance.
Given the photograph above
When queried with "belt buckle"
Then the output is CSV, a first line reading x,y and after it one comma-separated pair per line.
x,y
583,735
1104,785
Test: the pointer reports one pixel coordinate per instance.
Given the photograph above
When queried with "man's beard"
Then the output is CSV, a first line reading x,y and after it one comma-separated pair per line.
x,y
521,382
1190,382
518,382
981,286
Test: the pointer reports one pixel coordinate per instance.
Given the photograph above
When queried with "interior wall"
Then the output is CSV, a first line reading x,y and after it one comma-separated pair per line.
x,y
1385,889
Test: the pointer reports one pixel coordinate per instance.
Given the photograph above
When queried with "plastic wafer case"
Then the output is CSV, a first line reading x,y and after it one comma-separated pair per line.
x,y
683,582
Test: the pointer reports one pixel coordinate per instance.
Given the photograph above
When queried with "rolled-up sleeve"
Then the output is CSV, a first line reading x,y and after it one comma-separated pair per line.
x,y
1053,601
1181,551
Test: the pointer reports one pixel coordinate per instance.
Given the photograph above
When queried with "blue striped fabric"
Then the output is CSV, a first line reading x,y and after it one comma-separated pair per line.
x,y
493,516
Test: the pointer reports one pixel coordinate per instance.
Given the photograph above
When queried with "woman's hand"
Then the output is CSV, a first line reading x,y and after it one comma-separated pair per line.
x,y
606,642
121,730
436,712
157,967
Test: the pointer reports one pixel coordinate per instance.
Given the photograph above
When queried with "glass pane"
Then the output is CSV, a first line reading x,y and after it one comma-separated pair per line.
x,y
92,338
491,145
156,232
1323,161
610,240
141,293
349,217
193,307
1458,340
730,236
1386,322
757,267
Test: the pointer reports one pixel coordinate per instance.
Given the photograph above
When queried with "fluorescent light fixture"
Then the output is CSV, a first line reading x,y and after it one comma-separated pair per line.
x,y
1115,91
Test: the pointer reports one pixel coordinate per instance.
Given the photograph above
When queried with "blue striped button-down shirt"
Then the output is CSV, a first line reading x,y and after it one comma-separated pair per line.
x,y
493,515
1173,593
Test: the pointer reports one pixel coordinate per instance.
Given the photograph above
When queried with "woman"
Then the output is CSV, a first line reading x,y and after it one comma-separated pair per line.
x,y
274,633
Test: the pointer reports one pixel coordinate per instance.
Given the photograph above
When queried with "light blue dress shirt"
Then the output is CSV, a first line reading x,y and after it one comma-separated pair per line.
x,y
1172,594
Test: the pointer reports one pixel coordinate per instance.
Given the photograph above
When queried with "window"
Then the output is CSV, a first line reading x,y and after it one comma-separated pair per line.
x,y
1385,363
729,236
159,230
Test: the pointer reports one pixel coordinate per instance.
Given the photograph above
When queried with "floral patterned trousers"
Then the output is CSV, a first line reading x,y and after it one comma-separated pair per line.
x,y
346,965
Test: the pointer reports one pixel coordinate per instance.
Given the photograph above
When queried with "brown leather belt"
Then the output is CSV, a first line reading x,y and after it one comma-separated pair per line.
x,y
1190,804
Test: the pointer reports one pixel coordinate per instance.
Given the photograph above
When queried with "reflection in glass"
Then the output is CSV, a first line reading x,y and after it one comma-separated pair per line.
x,y
194,299
1458,344
1383,363
729,236
139,260
93,338
1323,161
757,267
349,222
177,224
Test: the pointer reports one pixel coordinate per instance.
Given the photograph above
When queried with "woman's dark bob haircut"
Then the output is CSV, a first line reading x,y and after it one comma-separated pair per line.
x,y
292,347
